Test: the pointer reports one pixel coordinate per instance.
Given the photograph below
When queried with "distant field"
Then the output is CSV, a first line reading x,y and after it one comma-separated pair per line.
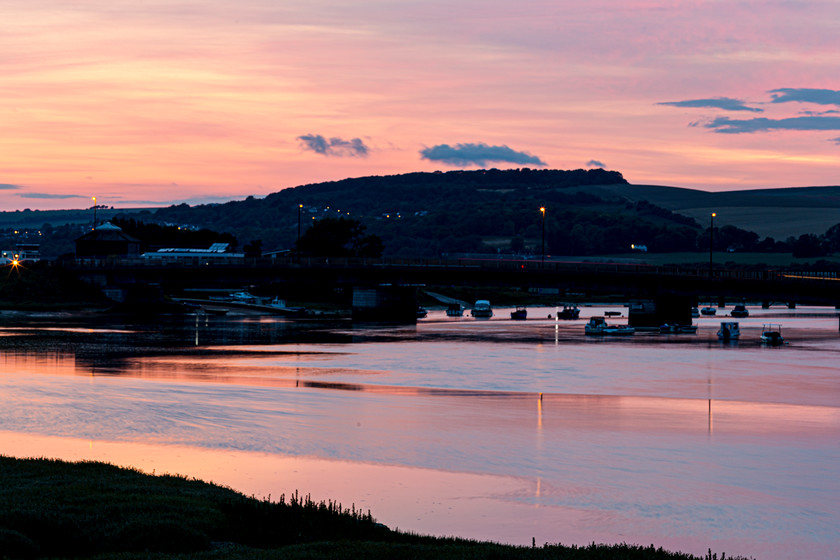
x,y
778,223
781,260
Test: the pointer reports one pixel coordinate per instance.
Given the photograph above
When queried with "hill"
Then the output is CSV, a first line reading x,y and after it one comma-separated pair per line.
x,y
588,212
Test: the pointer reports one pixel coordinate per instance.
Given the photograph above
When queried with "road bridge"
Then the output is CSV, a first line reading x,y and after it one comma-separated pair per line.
x,y
591,279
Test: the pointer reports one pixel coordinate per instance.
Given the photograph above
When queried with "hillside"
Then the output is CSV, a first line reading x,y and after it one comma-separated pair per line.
x,y
777,213
588,212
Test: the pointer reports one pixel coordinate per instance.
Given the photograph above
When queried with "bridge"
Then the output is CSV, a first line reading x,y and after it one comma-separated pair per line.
x,y
673,285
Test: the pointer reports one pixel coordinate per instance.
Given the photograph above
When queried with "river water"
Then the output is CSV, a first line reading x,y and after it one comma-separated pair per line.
x,y
488,429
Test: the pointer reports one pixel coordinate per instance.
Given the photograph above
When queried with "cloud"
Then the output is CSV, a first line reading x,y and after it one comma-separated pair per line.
x,y
6,187
595,163
462,155
835,140
732,126
725,103
50,196
334,146
806,95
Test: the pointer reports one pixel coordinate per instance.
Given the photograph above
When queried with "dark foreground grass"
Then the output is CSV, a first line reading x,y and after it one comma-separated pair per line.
x,y
55,509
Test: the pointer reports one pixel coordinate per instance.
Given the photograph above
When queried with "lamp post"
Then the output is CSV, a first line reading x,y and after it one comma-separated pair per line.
x,y
542,211
297,249
94,212
711,241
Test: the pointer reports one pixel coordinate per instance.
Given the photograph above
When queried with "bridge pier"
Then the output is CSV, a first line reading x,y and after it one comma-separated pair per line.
x,y
385,303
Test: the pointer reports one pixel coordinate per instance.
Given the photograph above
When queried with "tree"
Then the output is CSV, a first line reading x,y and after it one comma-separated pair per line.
x,y
339,237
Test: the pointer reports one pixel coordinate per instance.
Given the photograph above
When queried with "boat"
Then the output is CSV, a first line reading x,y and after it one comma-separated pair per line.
x,y
740,311
520,314
455,310
482,309
695,312
771,333
569,312
599,325
708,311
421,312
675,328
729,330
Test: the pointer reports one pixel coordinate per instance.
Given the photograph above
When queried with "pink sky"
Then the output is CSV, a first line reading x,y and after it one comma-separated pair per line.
x,y
158,102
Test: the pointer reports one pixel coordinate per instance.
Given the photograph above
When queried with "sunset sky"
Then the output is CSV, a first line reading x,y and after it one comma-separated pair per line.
x,y
153,102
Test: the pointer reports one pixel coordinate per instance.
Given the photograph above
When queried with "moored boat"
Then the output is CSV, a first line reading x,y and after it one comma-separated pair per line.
x,y
455,310
677,329
569,312
740,311
519,314
599,325
708,311
771,334
729,330
482,309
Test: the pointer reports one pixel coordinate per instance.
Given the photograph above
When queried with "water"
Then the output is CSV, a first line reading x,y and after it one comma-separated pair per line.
x,y
492,429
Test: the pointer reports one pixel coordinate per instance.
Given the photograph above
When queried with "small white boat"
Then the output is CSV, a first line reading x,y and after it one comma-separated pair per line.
x,y
482,309
599,326
729,330
708,311
771,333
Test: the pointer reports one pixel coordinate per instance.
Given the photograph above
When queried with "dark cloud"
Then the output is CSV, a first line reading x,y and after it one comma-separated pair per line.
x,y
333,146
462,155
835,140
725,103
50,196
9,187
595,163
806,95
732,126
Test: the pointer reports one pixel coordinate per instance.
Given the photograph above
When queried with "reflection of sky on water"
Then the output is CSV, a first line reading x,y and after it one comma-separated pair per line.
x,y
681,442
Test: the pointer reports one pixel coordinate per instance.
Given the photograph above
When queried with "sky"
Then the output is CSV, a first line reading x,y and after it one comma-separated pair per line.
x,y
158,102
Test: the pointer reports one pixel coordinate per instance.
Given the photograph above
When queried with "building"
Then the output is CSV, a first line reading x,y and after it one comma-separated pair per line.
x,y
217,253
107,241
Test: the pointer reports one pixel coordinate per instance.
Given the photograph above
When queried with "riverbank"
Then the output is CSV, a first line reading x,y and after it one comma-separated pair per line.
x,y
56,509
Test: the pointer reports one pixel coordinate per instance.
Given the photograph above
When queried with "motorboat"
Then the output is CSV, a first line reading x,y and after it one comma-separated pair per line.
x,y
455,310
740,311
421,312
482,309
708,311
771,334
569,312
519,314
674,328
599,326
695,312
729,330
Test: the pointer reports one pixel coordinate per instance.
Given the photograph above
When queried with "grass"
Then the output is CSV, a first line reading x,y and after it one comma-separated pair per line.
x,y
56,509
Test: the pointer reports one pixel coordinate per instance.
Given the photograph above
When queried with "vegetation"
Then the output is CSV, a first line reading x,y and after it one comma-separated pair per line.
x,y
37,286
338,237
94,510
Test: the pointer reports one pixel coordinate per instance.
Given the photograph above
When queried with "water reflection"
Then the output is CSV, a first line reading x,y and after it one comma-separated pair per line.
x,y
489,430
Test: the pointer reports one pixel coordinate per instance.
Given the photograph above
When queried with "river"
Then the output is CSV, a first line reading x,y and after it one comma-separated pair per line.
x,y
488,429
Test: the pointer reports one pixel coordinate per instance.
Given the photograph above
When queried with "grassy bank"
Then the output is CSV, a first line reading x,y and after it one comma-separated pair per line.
x,y
55,509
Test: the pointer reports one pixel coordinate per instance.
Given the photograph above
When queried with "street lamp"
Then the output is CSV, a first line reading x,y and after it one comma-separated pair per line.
x,y
711,241
297,251
542,211
94,212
